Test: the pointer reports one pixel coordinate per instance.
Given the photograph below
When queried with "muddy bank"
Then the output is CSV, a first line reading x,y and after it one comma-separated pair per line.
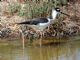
x,y
63,27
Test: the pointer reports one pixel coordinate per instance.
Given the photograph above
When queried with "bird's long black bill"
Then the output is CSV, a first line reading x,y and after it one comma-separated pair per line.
x,y
65,14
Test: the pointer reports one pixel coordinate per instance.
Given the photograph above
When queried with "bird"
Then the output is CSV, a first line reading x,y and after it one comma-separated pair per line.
x,y
39,24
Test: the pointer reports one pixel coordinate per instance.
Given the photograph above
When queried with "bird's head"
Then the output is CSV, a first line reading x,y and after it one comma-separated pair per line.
x,y
58,10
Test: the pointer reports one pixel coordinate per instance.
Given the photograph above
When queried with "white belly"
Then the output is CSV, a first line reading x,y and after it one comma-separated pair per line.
x,y
40,27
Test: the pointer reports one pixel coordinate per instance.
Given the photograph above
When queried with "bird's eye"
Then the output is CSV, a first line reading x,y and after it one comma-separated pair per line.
x,y
58,10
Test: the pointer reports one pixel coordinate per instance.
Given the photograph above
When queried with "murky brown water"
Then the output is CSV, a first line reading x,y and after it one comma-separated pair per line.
x,y
64,51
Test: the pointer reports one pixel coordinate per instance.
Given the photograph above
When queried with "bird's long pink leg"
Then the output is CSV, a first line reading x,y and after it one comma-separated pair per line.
x,y
41,33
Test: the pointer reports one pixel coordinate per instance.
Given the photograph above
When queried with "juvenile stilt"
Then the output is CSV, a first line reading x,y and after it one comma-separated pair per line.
x,y
39,24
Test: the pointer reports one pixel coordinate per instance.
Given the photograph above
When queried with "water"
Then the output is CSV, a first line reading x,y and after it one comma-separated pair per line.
x,y
64,51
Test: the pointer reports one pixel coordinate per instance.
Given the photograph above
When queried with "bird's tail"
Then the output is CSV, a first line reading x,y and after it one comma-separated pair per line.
x,y
23,23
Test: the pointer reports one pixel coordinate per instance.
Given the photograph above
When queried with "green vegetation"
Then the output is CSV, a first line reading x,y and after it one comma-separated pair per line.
x,y
34,8
14,7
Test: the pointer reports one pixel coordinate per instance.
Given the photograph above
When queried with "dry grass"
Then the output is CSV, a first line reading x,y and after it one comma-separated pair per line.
x,y
13,12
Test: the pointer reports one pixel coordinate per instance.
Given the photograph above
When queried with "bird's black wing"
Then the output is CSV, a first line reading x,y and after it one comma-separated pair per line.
x,y
35,21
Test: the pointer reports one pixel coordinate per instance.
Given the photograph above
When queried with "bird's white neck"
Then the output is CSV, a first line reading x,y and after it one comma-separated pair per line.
x,y
54,14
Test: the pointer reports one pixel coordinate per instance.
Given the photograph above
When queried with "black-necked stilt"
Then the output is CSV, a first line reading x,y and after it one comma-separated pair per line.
x,y
39,24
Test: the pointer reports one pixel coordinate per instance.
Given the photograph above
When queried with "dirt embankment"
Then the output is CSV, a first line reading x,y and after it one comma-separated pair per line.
x,y
68,26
